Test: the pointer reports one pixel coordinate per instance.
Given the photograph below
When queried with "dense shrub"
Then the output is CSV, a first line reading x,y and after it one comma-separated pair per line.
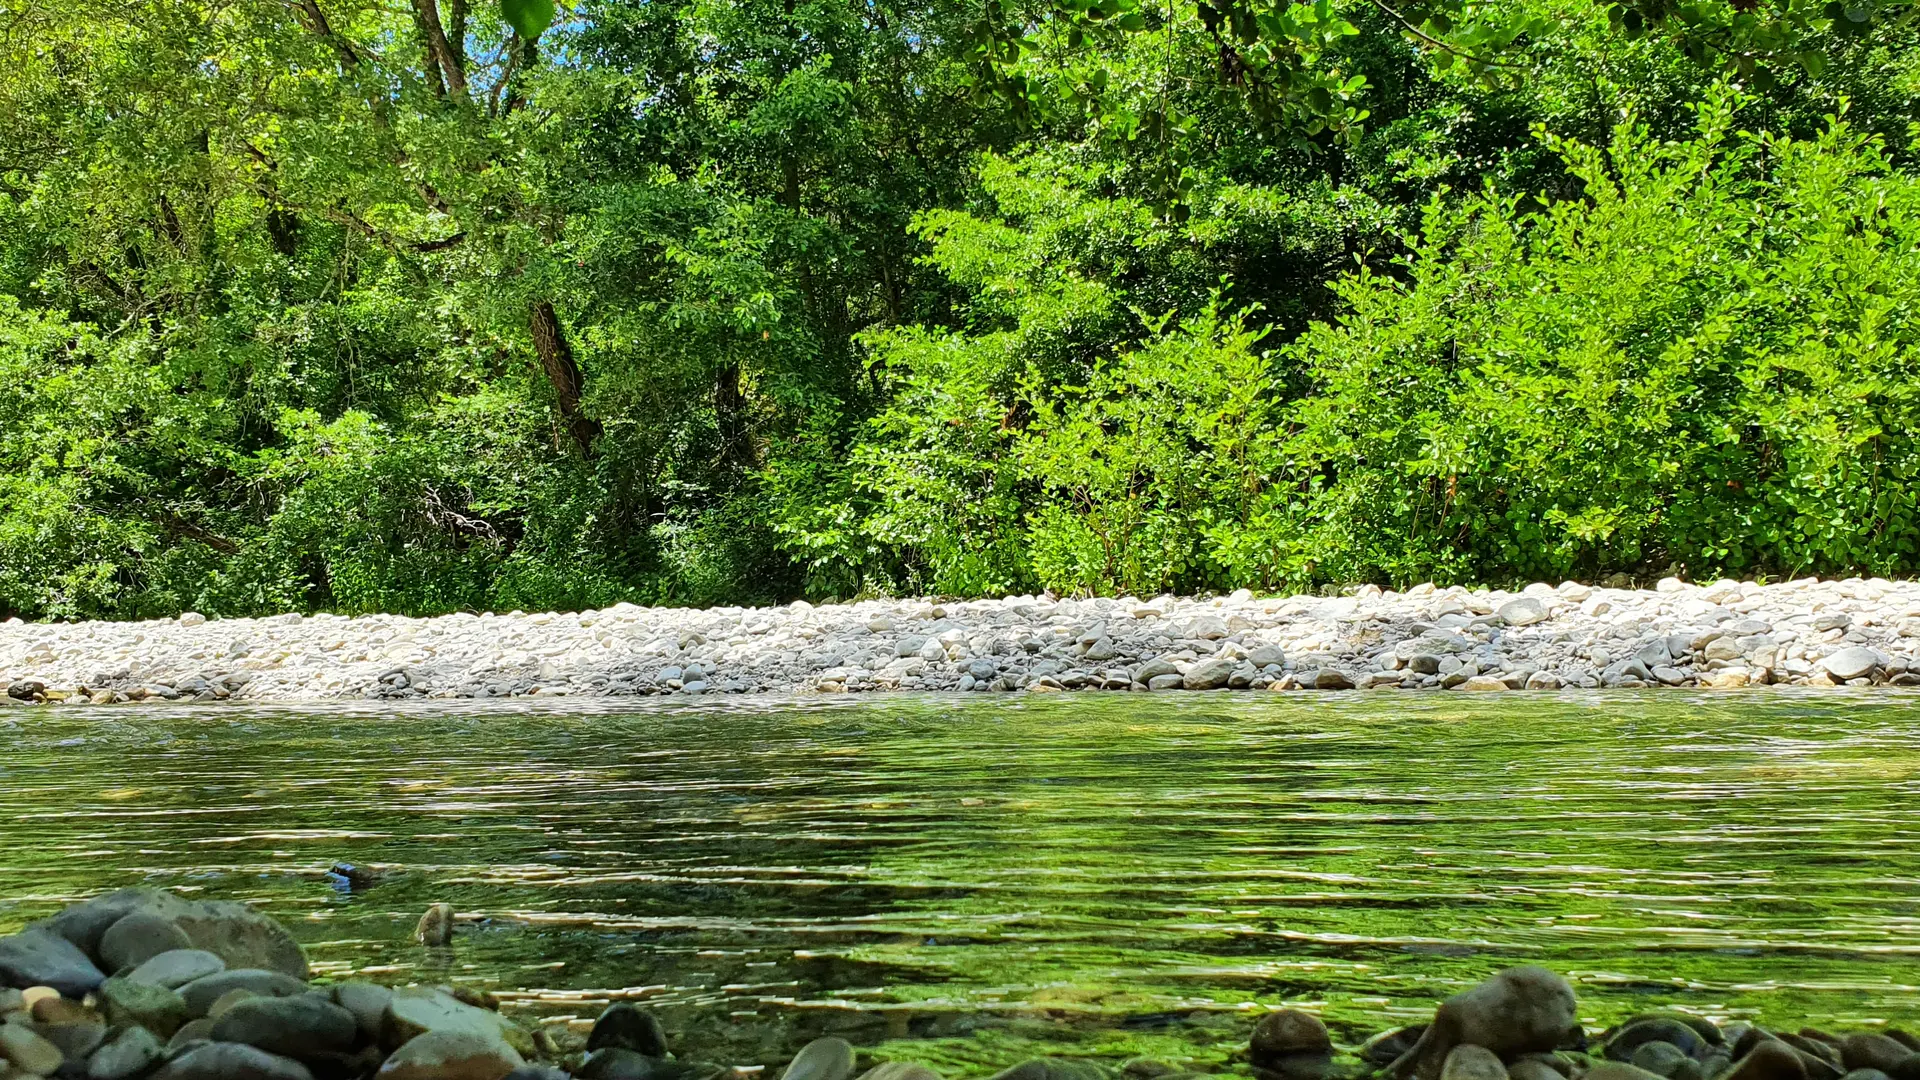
x,y
1704,357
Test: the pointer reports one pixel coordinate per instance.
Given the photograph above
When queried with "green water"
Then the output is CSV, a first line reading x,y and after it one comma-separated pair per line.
x,y
973,880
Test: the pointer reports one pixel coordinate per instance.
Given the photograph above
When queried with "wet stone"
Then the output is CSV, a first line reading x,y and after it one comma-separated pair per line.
x,y
1469,1062
139,937
231,1061
131,1052
822,1059
202,993
628,1027
40,957
155,1008
295,1027
177,968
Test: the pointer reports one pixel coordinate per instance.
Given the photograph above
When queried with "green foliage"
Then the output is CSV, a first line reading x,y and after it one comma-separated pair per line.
x,y
1705,359
730,301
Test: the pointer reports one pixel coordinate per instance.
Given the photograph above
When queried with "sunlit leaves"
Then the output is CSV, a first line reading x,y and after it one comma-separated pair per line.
x,y
529,18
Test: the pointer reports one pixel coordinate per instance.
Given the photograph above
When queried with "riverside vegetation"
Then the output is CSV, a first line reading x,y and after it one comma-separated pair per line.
x,y
213,990
341,306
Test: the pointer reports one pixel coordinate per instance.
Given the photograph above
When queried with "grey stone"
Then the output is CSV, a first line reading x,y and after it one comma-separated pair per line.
x,y
1872,1050
451,1055
202,993
1424,663
629,1027
231,1061
1523,611
913,1070
1532,1068
192,1033
822,1059
619,1063
29,1051
1469,1062
130,1053
159,1009
1522,1009
1267,656
1850,663
303,1026
1154,668
1328,678
1662,1058
235,932
138,938
1208,674
368,1004
40,957
1639,1030
1169,681
1287,1031
70,1025
414,1012
177,968
1669,676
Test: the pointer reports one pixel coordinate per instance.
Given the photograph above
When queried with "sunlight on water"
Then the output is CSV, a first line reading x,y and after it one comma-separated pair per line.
x,y
986,878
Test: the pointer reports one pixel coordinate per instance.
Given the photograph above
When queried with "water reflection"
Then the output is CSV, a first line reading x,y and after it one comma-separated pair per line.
x,y
1103,874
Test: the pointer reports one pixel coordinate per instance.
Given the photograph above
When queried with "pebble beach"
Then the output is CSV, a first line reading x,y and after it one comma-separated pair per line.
x,y
1717,635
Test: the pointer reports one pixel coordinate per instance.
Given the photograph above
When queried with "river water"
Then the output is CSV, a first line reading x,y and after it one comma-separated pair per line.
x,y
970,881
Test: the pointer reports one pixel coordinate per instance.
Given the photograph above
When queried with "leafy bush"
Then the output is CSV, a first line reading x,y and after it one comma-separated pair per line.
x,y
1706,359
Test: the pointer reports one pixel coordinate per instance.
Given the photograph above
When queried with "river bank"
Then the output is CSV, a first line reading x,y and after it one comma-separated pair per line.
x,y
145,983
1722,635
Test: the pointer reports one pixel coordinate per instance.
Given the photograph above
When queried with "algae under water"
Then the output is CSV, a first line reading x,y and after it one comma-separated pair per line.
x,y
974,880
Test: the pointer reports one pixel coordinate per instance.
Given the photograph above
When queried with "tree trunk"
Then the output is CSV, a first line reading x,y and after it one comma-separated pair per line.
x,y
556,357
729,411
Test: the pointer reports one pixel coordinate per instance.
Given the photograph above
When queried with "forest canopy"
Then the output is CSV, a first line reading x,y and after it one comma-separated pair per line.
x,y
454,305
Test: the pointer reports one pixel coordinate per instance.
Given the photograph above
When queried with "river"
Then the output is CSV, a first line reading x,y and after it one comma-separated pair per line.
x,y
991,878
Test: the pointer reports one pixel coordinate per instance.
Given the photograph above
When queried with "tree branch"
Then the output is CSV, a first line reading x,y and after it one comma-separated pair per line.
x,y
428,13
1436,42
310,16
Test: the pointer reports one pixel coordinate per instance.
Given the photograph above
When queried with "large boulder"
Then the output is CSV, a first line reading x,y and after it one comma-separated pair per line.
x,y
243,937
235,932
1521,1009
85,924
39,957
